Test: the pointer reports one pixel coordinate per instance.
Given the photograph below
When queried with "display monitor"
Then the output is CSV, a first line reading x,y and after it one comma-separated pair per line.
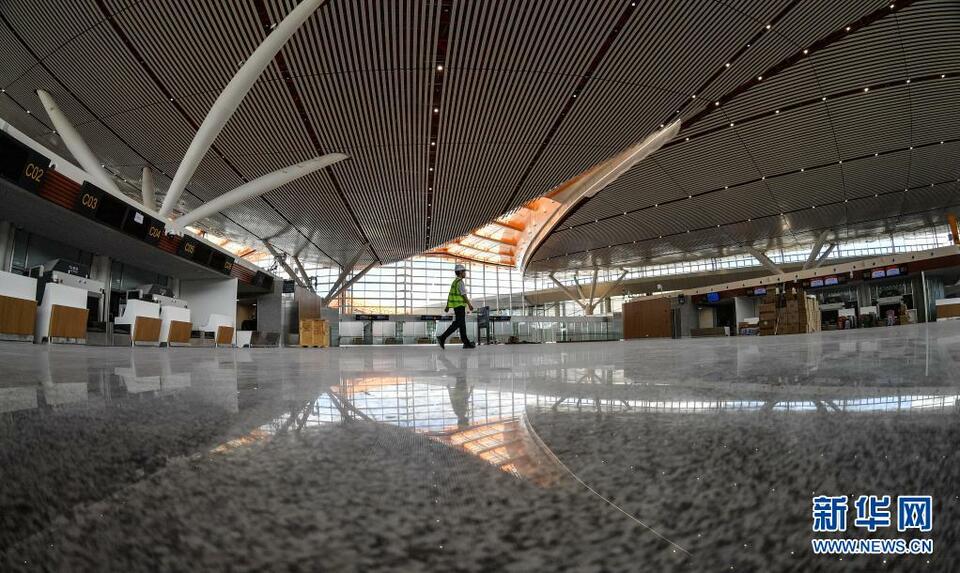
x,y
878,274
893,271
759,291
713,297
112,211
830,281
816,283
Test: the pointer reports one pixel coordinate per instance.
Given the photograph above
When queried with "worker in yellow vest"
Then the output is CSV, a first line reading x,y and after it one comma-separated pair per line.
x,y
457,300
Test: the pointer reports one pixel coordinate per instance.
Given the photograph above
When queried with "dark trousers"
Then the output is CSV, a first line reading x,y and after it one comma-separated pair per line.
x,y
459,321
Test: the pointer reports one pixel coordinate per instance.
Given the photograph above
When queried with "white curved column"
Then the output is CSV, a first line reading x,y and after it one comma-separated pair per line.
x,y
147,188
230,99
77,146
254,188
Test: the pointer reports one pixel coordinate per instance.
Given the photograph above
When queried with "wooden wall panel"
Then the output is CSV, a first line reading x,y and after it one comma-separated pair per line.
x,y
647,319
225,335
17,316
68,322
179,332
146,329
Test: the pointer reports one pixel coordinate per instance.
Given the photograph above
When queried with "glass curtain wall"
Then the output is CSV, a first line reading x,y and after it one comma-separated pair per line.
x,y
419,285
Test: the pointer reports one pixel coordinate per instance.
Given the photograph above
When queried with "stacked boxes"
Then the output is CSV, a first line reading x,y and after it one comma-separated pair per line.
x,y
789,313
314,332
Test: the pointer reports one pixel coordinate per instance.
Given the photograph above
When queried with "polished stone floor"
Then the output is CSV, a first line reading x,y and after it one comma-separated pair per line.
x,y
620,456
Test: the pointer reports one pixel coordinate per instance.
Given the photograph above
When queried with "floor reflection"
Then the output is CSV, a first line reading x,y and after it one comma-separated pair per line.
x,y
684,435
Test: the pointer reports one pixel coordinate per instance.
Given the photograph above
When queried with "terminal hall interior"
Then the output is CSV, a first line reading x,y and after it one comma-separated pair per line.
x,y
479,285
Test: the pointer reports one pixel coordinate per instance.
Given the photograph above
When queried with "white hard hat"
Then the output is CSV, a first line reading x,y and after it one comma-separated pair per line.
x,y
459,268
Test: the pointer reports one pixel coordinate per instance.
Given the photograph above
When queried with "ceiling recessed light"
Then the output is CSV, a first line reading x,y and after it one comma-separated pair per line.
x,y
716,103
908,81
866,89
759,78
943,75
768,26
806,51
824,98
848,28
439,68
731,124
778,111
801,170
687,139
727,65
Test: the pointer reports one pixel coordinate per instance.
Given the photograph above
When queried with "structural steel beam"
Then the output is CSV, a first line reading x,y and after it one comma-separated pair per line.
x,y
231,97
344,271
568,292
283,263
817,247
823,257
148,190
593,288
77,146
613,285
350,282
764,260
303,273
254,188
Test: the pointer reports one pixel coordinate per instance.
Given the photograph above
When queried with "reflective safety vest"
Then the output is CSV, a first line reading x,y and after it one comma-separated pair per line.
x,y
454,298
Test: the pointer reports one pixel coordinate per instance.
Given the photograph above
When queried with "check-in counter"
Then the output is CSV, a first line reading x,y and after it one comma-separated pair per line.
x,y
948,309
18,306
62,315
175,325
243,338
222,328
144,320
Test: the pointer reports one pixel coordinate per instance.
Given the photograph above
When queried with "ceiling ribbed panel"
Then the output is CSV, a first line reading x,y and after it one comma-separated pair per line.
x,y
810,140
15,60
646,183
936,164
48,27
652,68
363,71
935,197
513,66
195,47
711,162
478,166
362,78
873,175
934,105
799,149
871,122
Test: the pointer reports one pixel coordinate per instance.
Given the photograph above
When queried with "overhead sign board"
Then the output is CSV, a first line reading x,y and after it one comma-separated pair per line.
x,y
22,165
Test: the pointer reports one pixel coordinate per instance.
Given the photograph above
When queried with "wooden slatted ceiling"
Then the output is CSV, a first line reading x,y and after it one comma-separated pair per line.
x,y
359,78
